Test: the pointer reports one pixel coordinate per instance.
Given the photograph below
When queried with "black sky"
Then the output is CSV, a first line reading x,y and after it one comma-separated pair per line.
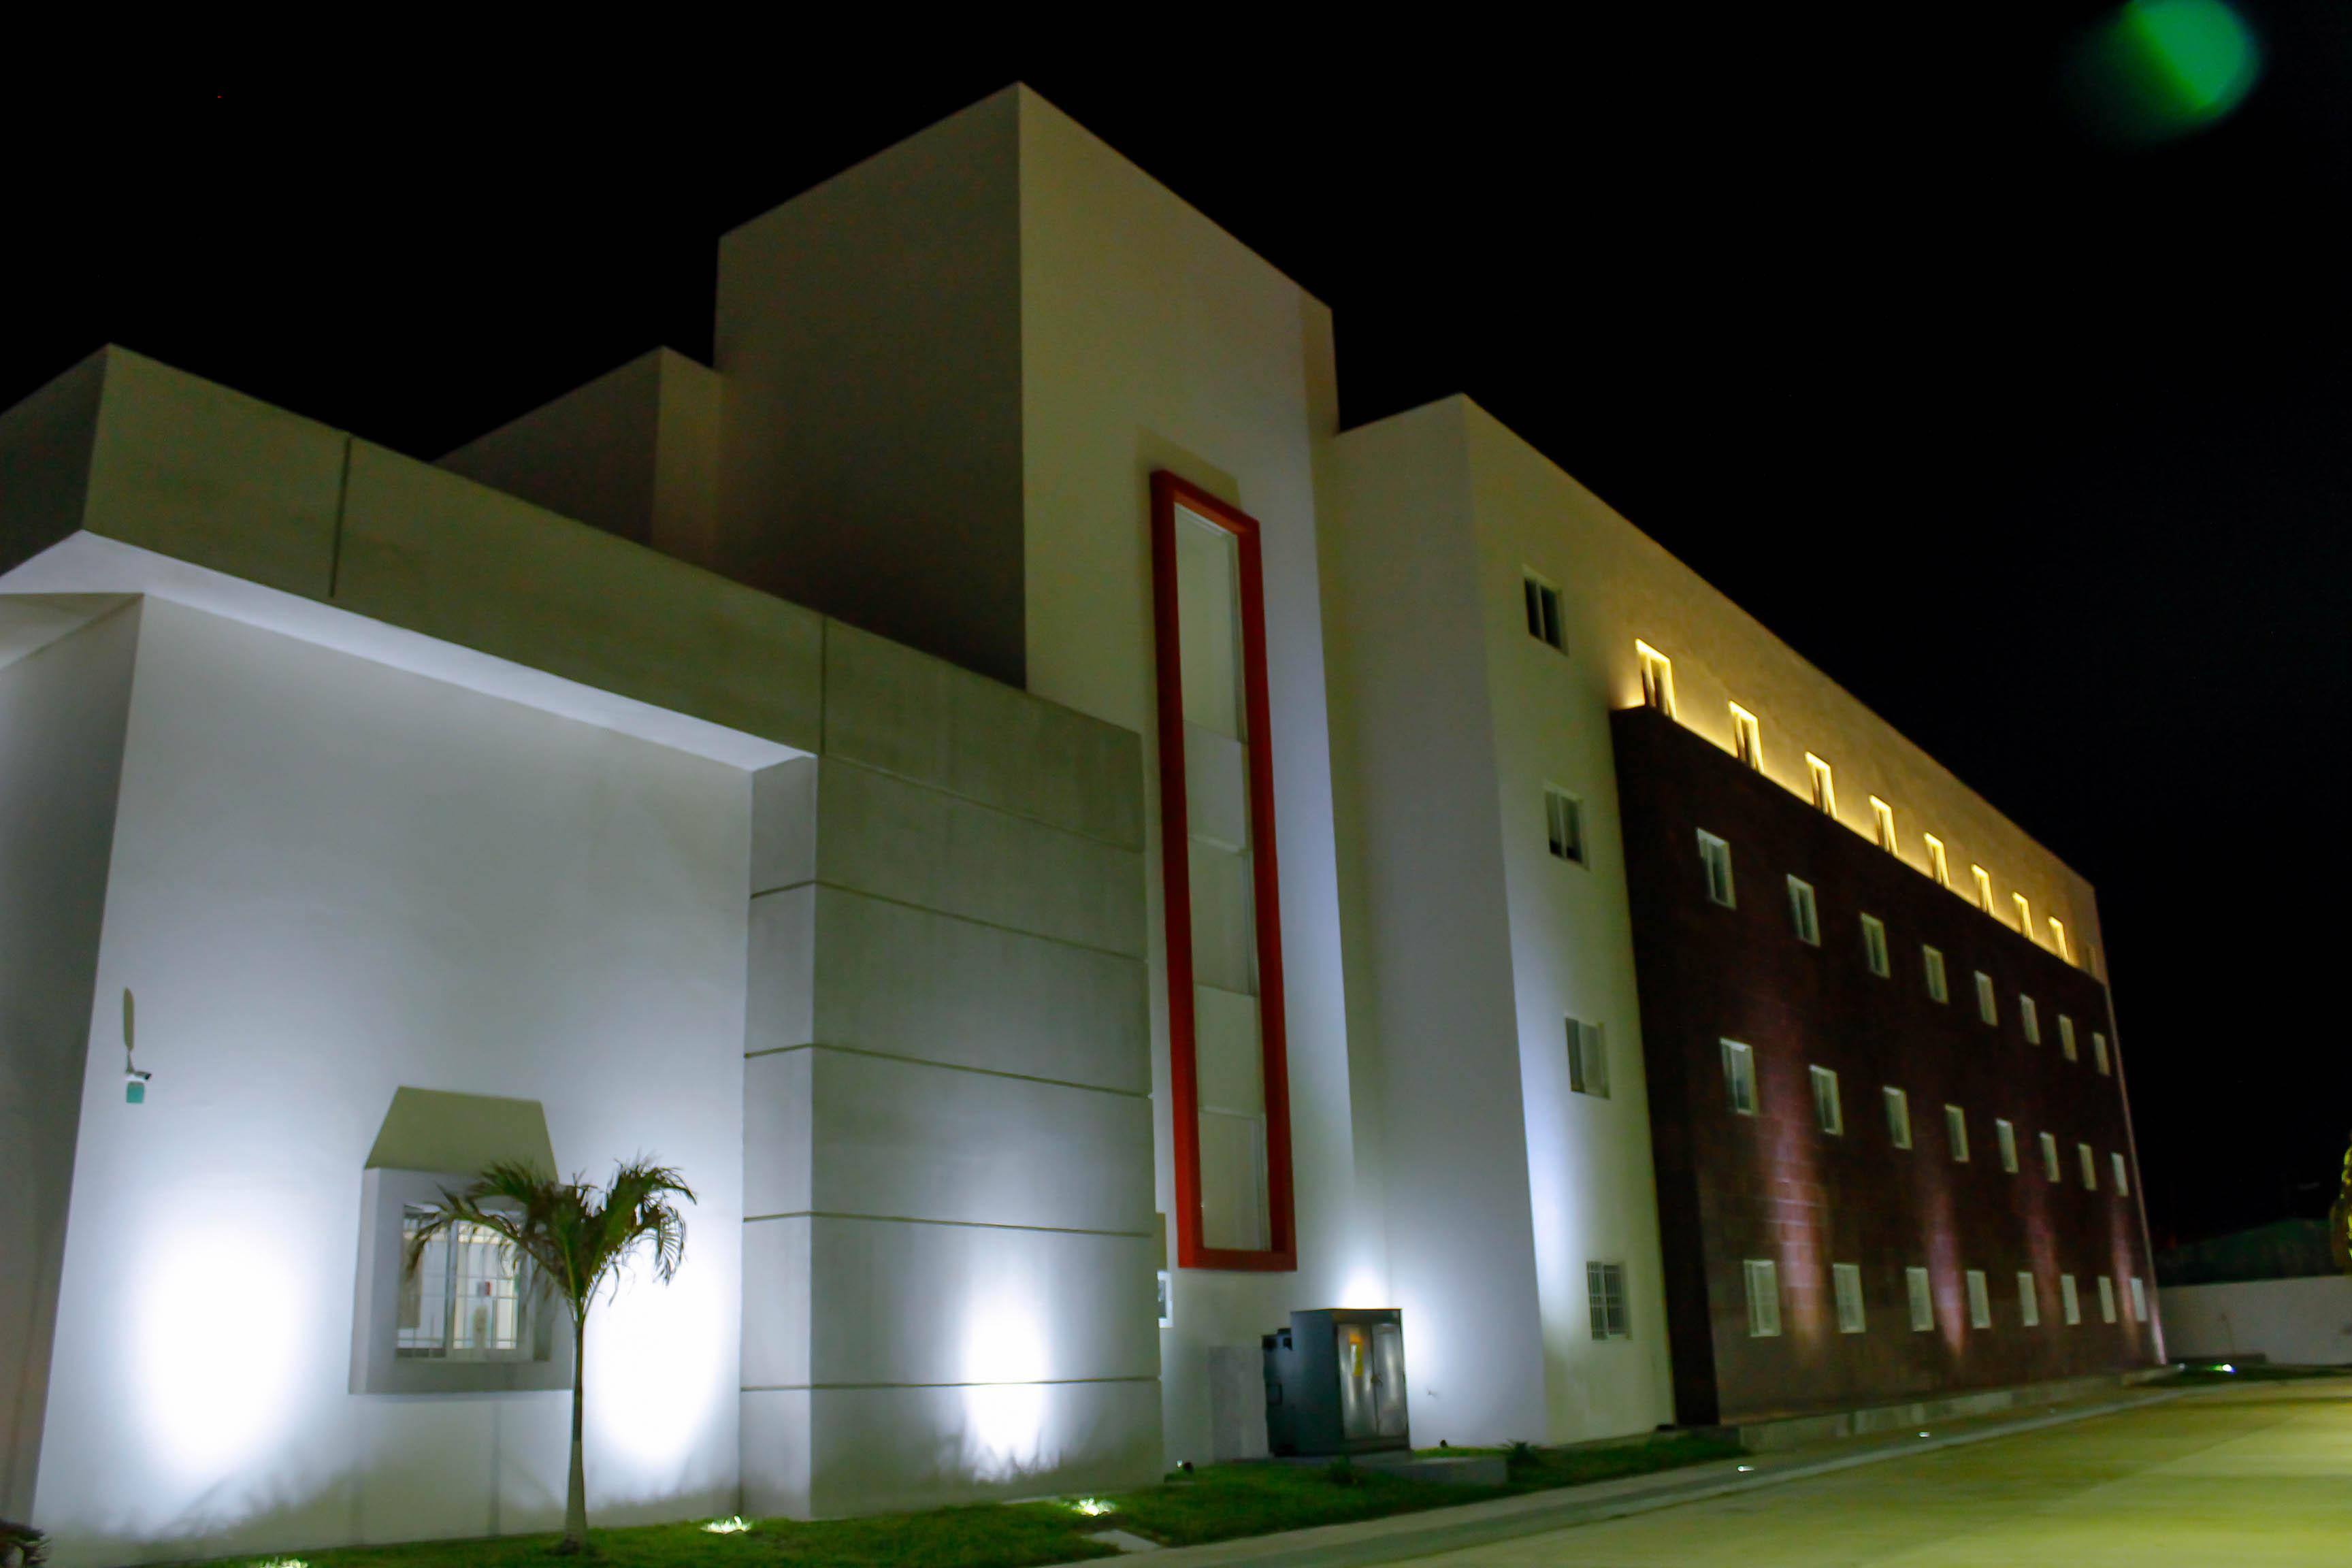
x,y
2042,448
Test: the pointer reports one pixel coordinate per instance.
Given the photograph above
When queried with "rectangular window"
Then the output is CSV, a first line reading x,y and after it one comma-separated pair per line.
x,y
1984,888
1980,1300
1845,1280
2138,1300
1564,824
1824,784
1827,1113
2065,1037
1938,989
1923,1300
2116,1168
2058,939
2090,1167
1987,1007
1543,611
2069,1302
1938,865
1898,1117
1229,1089
2099,1053
1604,1293
468,1298
1657,678
2024,915
1747,737
1714,854
1882,818
2106,1299
1803,914
2005,1135
2050,1158
2029,1302
1588,1060
2029,1017
1763,1280
1955,1133
1740,1077
1874,946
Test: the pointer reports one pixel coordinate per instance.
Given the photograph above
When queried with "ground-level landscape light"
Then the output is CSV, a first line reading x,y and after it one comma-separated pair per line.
x,y
1094,1507
735,1525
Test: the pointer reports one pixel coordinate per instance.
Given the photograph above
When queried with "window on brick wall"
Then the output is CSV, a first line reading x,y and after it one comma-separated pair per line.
x,y
2029,1018
2065,1037
1898,1117
1714,858
2090,1168
2005,1135
2099,1053
1988,1007
2106,1299
1762,1277
1874,946
2138,1300
2029,1301
2119,1171
1740,1077
1938,990
1955,1133
1804,914
1845,1280
2050,1158
1828,1114
1922,1293
2069,1302
1980,1300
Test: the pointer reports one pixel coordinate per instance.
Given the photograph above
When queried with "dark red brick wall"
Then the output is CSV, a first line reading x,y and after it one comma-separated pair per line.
x,y
1774,1185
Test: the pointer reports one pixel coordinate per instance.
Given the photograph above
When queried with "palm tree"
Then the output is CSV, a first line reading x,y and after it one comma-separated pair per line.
x,y
576,1236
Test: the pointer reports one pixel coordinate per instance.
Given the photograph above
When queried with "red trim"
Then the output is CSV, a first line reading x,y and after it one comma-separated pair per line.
x,y
1176,877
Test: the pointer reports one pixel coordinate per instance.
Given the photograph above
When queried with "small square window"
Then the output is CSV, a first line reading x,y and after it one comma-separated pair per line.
x,y
1874,946
1747,738
1824,783
1938,989
1980,1300
2029,1302
2106,1299
2069,1302
1923,1300
2099,1053
1604,1292
1828,1113
1762,1277
1803,914
1714,854
1588,1060
2005,1135
1564,824
1657,678
2029,1017
1898,1117
2122,1174
2024,915
1845,1280
1987,1008
2050,1158
1882,818
1740,1077
2090,1167
1984,888
1938,865
2138,1300
1955,1133
2065,1037
1543,611
2058,941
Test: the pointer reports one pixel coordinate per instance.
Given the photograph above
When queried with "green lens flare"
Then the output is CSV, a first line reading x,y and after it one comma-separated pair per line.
x,y
2161,69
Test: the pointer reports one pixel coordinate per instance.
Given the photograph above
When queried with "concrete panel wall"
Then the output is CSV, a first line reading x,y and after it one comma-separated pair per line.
x,y
2295,1322
62,712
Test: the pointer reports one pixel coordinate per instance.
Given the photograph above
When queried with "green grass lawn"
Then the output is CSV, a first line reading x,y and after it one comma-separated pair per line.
x,y
1215,1504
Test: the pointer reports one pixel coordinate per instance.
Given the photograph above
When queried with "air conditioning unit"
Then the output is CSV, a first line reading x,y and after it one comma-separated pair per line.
x,y
1335,1382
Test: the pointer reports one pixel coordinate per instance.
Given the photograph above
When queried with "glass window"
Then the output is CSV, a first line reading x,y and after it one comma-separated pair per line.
x,y
1762,1277
2029,1302
2090,1168
1740,1077
2099,1052
1588,1060
467,1297
2121,1174
1564,823
2069,1303
2029,1017
2065,1037
1987,1007
1747,738
1923,1300
1873,945
2138,1300
1898,1117
2005,1135
1938,989
1845,1280
1657,678
1803,914
1828,1114
1543,611
1714,854
2050,1157
1955,1133
1604,1292
2106,1299
1980,1300
1824,783
1882,818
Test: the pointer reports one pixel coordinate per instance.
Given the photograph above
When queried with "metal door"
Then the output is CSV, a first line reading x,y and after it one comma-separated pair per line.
x,y
1388,1378
1358,1397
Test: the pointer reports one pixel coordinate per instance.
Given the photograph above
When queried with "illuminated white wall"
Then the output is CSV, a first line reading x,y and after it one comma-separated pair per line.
x,y
331,879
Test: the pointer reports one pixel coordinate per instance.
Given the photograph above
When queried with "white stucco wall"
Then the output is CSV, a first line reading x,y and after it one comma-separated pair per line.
x,y
330,879
2295,1322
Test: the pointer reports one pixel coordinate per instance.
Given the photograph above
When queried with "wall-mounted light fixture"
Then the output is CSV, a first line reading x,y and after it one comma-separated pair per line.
x,y
134,1078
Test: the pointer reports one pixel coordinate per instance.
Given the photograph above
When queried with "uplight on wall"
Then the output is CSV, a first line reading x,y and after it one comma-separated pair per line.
x,y
1747,738
1824,783
1657,678
1882,818
2058,939
1940,867
1984,888
2024,915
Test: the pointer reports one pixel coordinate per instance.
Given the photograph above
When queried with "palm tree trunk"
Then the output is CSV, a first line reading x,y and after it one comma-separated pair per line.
x,y
575,1491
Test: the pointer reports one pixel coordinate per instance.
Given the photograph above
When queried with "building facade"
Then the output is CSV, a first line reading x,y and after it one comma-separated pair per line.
x,y
1032,819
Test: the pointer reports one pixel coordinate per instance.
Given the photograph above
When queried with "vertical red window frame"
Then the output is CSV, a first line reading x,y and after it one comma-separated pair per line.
x,y
1168,492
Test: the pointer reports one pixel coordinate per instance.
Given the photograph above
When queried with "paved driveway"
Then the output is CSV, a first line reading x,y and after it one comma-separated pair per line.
x,y
2258,1474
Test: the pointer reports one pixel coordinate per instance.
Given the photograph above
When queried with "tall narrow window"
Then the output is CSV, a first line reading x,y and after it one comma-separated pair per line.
x,y
1588,1060
1984,888
2066,1036
2121,1172
2029,1018
1873,945
2049,1169
1229,1074
1938,865
1922,1293
1824,784
1747,737
2090,1167
1882,818
1762,1277
2069,1302
1980,1300
2029,1301
2005,1133
1845,1282
1714,854
2106,1299
2058,939
2099,1053
2024,916
1740,1077
1898,1117
1604,1298
1802,913
1987,1007
1828,1113
1657,678
1938,990
2138,1300
1955,1133
1564,824
1543,611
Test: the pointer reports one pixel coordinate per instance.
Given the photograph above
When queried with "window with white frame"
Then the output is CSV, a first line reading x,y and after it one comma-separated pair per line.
x,y
1922,1293
2024,915
2106,1299
1874,946
1881,818
1715,857
1828,1114
1740,1077
2058,939
2029,1301
1939,865
1543,611
2050,1158
2005,1135
468,1298
1604,1294
2090,1167
1657,678
2099,1054
1938,990
2029,1018
1984,888
2138,1300
1955,1133
1980,1300
1587,1059
1824,783
1762,1277
1803,913
1747,737
2066,1036
1845,1282
2069,1303
1988,1007
1898,1117
2117,1169
1564,824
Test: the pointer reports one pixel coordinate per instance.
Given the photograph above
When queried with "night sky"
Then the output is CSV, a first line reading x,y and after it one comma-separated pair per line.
x,y
2039,443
